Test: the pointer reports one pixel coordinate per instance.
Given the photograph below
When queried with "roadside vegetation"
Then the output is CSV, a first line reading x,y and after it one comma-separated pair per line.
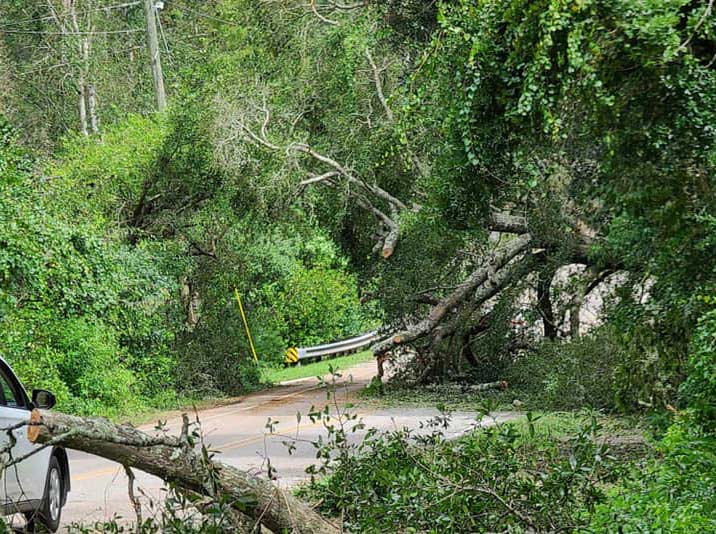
x,y
511,191
274,375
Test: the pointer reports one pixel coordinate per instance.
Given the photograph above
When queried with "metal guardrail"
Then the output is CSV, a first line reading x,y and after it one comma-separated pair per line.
x,y
317,352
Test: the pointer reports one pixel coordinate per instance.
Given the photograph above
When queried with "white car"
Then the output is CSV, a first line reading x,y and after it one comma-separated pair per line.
x,y
36,486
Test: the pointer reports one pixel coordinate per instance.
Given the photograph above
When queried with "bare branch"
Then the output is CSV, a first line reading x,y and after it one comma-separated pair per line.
x,y
321,178
379,86
321,17
389,241
261,140
136,503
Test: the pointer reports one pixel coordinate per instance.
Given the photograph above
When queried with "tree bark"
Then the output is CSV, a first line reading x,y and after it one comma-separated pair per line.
x,y
174,460
92,107
544,303
487,276
506,223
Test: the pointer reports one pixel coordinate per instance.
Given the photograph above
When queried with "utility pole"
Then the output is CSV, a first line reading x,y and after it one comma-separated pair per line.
x,y
150,12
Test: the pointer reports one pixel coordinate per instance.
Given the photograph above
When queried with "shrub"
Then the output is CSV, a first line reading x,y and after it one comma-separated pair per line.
x,y
80,312
319,305
699,390
503,477
570,375
676,494
80,360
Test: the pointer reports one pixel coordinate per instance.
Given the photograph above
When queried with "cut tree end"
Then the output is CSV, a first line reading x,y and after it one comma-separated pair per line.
x,y
33,429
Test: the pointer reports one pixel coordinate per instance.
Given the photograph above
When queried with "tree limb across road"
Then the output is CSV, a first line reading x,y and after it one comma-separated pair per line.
x,y
175,460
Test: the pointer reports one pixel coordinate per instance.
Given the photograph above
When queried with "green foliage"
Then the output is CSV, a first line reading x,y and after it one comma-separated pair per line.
x,y
80,314
319,306
101,181
91,363
402,481
570,375
676,494
699,390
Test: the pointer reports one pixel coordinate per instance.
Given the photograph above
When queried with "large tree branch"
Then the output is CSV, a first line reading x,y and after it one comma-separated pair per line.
x,y
507,223
379,85
175,460
480,286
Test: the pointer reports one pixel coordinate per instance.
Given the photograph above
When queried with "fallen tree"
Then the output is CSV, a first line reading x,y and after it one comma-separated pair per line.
x,y
177,461
481,285
525,261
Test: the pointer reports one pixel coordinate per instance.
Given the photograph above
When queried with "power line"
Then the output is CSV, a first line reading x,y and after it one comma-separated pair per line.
x,y
40,32
67,64
164,38
51,17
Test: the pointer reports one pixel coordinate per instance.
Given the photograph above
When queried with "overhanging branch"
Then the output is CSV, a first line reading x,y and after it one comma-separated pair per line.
x,y
364,190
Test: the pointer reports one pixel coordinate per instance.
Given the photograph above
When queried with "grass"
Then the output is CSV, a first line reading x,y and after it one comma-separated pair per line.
x,y
273,375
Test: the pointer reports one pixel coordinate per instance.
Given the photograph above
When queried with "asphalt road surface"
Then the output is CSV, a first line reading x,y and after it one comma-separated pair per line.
x,y
238,431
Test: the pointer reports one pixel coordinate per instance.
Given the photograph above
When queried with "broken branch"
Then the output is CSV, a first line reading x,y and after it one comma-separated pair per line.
x,y
168,459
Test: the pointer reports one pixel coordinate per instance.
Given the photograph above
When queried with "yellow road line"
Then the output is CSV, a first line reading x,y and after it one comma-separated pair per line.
x,y
96,473
108,471
248,441
221,448
256,405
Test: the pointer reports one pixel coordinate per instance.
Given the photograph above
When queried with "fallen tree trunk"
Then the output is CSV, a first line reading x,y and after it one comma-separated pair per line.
x,y
489,276
175,460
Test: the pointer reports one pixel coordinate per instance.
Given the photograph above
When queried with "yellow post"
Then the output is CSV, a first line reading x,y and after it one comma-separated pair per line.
x,y
246,325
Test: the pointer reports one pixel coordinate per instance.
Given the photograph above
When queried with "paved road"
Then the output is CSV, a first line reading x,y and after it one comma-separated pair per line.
x,y
99,487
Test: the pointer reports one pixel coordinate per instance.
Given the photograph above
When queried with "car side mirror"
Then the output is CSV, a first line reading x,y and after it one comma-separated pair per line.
x,y
43,399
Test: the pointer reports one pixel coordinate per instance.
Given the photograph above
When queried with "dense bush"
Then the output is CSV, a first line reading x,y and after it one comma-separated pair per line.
x,y
505,477
318,306
570,375
699,390
676,494
80,313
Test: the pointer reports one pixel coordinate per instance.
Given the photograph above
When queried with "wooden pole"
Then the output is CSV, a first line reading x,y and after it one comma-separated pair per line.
x,y
150,12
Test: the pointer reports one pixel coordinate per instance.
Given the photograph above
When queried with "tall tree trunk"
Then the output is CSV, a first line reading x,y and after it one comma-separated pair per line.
x,y
82,104
86,100
92,105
